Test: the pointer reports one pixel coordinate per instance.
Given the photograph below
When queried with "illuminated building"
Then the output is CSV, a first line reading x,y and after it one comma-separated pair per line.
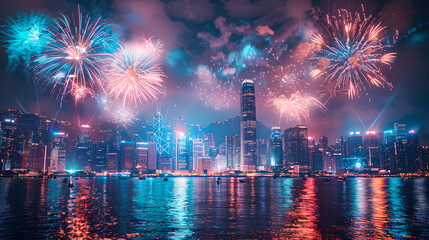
x,y
112,162
425,158
204,165
400,131
27,125
412,152
236,154
317,159
164,163
354,150
229,150
323,143
371,156
84,148
197,151
276,148
142,154
248,126
127,157
388,158
329,161
263,153
182,157
152,156
295,146
8,142
58,152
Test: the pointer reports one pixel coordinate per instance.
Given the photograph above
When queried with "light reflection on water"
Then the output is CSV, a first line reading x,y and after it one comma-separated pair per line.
x,y
361,208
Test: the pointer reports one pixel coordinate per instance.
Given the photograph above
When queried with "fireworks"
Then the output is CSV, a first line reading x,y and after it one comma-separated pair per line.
x,y
297,108
71,63
133,76
213,92
123,115
350,56
25,36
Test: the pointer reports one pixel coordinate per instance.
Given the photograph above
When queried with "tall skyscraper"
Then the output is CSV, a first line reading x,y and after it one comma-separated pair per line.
x,y
229,150
276,147
159,134
248,127
197,151
236,154
295,146
128,156
58,152
84,148
388,151
400,131
413,152
354,151
142,153
263,153
182,157
371,148
152,156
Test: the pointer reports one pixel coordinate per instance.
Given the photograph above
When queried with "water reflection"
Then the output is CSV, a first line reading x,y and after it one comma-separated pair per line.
x,y
378,208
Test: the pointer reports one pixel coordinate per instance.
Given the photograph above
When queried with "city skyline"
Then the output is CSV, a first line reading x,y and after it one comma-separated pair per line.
x,y
214,119
182,65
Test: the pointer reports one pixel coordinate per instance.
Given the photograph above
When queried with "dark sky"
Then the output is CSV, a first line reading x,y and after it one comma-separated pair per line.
x,y
196,35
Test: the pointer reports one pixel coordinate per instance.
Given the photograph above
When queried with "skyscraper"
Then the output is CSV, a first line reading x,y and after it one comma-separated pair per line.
x,y
58,152
263,153
354,150
128,156
276,147
229,150
162,145
400,131
84,148
388,151
295,145
248,126
371,150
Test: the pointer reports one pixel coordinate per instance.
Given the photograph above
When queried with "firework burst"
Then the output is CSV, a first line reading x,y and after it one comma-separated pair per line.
x,y
25,36
133,76
296,109
350,56
71,63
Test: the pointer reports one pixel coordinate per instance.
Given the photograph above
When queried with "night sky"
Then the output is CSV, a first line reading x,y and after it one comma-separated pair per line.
x,y
208,39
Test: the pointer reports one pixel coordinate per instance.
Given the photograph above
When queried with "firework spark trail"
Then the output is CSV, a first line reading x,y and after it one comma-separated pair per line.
x,y
71,63
296,108
25,36
133,76
213,92
350,55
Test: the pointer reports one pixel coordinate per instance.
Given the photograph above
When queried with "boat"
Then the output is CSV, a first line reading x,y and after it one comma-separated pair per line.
x,y
165,179
326,180
65,179
342,178
407,178
142,178
305,177
243,180
218,180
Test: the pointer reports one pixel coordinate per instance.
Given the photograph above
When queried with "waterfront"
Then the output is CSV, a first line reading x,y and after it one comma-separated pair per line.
x,y
186,207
